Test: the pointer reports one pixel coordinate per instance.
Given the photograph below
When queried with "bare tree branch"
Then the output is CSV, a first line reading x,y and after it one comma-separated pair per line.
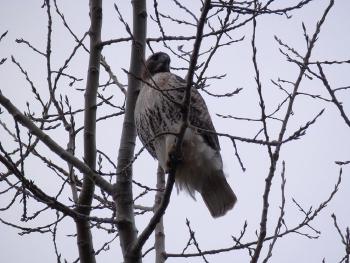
x,y
52,145
159,234
331,93
275,156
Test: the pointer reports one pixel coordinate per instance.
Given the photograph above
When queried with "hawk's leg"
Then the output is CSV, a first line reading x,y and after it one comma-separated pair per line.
x,y
171,155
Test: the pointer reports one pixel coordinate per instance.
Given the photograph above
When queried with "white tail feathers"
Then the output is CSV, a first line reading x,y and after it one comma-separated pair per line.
x,y
201,170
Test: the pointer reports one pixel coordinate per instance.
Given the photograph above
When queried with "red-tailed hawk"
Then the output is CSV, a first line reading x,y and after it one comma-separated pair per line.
x,y
158,110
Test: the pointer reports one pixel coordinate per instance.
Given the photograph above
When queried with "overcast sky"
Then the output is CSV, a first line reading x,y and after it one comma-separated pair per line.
x,y
311,171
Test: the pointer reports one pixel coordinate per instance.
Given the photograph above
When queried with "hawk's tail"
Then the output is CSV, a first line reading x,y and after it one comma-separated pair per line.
x,y
218,195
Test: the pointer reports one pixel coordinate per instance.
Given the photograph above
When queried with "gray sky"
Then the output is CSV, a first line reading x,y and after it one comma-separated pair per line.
x,y
311,171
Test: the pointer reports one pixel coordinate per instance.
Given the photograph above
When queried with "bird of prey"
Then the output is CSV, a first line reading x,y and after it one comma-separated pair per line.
x,y
158,111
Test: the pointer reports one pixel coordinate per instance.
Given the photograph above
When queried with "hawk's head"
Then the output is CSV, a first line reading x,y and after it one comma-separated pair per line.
x,y
158,62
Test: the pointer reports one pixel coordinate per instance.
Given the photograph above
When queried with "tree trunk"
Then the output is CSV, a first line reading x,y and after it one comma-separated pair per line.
x,y
84,237
123,191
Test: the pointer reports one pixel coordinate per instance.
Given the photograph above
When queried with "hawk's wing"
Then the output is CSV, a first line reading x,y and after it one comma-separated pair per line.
x,y
199,114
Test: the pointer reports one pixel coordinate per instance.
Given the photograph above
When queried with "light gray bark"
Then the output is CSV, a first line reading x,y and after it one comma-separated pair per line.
x,y
123,190
84,237
159,236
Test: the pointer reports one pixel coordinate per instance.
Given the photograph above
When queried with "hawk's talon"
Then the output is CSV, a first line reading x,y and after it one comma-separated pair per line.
x,y
172,158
